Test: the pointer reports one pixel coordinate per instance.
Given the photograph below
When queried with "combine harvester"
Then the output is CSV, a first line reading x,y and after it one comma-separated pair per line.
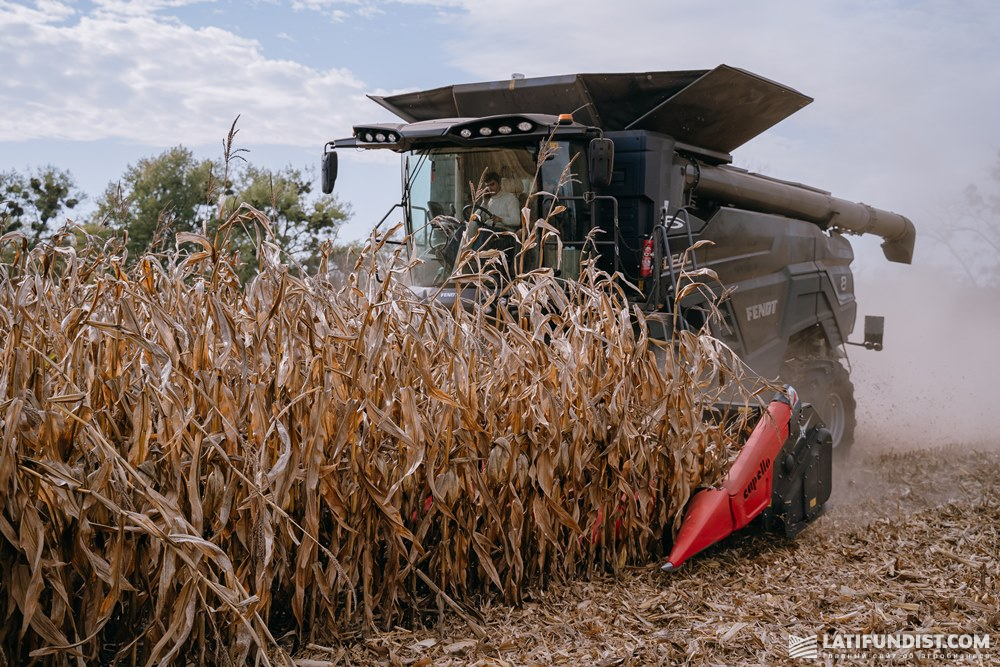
x,y
649,155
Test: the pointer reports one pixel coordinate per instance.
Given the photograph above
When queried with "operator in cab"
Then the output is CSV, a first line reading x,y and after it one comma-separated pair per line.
x,y
503,208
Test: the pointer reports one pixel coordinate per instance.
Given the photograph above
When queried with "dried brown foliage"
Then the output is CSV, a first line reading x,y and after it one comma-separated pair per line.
x,y
908,546
192,467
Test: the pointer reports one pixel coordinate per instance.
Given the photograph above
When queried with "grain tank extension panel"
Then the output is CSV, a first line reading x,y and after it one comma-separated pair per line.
x,y
719,109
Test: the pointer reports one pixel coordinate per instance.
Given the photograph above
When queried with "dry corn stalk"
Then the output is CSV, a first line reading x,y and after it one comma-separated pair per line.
x,y
192,467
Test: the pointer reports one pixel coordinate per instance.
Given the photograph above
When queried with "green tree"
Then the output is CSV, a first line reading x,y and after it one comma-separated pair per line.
x,y
173,192
158,197
300,222
34,203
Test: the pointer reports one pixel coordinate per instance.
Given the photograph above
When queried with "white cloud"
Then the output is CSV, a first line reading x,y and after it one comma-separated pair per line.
x,y
45,11
370,11
337,9
156,81
140,7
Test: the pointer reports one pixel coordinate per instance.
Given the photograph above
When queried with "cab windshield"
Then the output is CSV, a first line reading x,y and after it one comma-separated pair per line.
x,y
456,192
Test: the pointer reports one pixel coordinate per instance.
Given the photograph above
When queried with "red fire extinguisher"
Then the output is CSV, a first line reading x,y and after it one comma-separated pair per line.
x,y
646,266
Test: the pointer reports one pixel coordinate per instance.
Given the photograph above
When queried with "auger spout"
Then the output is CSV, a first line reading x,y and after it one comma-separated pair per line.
x,y
768,195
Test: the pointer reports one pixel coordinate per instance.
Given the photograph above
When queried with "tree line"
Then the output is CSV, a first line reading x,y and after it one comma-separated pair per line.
x,y
967,234
172,192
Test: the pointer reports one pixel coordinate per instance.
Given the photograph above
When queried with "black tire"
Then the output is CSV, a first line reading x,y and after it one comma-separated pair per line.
x,y
827,385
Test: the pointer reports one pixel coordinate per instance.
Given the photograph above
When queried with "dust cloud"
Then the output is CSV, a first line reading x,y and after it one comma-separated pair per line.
x,y
935,383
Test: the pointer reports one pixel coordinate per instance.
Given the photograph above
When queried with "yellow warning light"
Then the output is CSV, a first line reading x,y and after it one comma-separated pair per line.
x,y
565,118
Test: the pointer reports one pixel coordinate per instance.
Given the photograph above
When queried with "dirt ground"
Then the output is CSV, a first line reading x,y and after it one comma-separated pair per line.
x,y
909,544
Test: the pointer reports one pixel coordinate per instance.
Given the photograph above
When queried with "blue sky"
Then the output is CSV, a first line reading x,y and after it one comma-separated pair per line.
x,y
906,92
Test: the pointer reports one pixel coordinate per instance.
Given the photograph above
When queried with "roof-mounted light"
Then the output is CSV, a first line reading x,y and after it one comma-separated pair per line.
x,y
378,134
494,127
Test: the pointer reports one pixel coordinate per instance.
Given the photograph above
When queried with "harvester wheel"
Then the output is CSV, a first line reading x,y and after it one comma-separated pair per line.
x,y
827,385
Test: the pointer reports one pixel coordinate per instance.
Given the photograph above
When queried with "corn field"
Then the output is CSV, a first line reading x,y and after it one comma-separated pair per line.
x,y
193,468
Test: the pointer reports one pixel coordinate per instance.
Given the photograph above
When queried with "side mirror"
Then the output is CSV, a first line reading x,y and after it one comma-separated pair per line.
x,y
329,172
602,162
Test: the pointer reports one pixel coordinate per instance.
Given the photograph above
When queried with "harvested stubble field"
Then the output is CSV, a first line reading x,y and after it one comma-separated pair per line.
x,y
909,544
